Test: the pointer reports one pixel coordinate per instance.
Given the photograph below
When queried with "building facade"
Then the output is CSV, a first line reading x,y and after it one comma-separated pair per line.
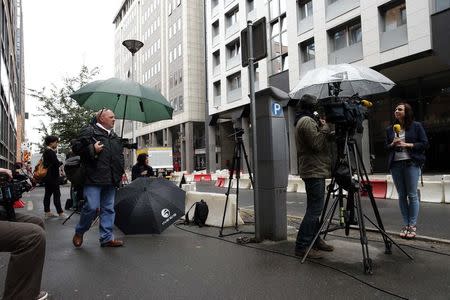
x,y
12,87
171,61
406,40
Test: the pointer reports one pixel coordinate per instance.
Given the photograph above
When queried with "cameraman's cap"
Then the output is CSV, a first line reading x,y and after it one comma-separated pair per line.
x,y
308,100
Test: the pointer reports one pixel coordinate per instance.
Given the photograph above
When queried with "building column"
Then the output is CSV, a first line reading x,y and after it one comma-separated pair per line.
x,y
189,145
293,160
153,142
168,137
182,148
211,165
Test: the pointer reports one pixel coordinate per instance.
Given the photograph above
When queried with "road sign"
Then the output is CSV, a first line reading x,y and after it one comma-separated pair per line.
x,y
259,42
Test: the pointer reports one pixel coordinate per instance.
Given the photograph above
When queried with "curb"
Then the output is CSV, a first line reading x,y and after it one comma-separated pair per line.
x,y
423,238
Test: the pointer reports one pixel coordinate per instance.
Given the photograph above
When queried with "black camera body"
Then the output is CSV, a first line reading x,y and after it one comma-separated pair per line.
x,y
10,192
127,144
347,113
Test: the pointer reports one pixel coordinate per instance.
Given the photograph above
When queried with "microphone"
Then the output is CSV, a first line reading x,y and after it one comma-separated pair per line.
x,y
366,103
397,129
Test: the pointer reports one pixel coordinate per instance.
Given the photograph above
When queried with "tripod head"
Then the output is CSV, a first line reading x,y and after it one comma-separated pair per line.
x,y
238,132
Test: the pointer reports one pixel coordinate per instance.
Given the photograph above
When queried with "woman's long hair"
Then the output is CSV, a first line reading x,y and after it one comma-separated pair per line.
x,y
142,158
409,115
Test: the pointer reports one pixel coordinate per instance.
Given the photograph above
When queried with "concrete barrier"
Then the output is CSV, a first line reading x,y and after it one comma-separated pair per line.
x,y
432,191
189,186
379,188
216,205
391,191
292,184
202,177
301,186
446,187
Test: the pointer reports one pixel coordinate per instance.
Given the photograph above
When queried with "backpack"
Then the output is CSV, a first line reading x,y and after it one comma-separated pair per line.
x,y
39,171
74,170
200,213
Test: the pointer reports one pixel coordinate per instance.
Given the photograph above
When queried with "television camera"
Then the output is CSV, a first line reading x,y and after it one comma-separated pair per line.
x,y
10,192
126,143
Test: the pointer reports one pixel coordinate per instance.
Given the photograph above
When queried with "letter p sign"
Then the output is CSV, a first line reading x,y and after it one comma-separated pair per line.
x,y
277,110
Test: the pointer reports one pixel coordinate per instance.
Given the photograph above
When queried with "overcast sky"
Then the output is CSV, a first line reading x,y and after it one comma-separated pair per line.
x,y
62,35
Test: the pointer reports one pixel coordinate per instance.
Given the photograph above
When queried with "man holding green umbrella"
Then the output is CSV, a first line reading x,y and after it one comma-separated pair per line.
x,y
101,153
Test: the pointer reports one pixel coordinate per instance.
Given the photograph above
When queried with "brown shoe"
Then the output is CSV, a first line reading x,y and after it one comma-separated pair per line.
x,y
113,243
315,254
77,240
323,246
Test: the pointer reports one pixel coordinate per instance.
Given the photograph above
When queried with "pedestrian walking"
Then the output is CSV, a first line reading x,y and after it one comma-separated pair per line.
x,y
51,180
101,154
406,142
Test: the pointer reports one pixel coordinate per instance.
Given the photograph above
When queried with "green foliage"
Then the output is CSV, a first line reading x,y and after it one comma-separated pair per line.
x,y
67,117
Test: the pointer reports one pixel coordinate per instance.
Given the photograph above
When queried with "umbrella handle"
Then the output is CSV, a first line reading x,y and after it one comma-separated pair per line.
x,y
124,112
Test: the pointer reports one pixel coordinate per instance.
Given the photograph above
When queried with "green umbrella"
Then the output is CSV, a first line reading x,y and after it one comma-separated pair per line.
x,y
128,100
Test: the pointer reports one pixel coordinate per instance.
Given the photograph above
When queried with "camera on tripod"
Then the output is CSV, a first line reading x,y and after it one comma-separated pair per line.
x,y
10,192
347,113
127,144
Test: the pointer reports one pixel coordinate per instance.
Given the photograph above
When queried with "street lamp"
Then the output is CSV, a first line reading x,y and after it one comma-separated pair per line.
x,y
133,46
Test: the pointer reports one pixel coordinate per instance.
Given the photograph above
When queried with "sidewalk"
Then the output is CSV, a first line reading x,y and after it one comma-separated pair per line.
x,y
187,262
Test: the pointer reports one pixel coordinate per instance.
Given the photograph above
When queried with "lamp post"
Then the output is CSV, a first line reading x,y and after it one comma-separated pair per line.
x,y
133,46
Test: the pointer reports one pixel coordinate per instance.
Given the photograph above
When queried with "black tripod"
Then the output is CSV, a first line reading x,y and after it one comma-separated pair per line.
x,y
349,162
236,167
75,194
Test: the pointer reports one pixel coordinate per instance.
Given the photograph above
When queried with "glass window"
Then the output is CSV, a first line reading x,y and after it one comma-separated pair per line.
x,y
285,62
339,40
284,42
355,35
442,4
306,9
275,46
274,9
308,50
234,82
395,17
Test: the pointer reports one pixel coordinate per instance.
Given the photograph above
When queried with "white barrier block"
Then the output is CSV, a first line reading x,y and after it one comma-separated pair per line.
x,y
301,186
432,191
446,187
189,177
216,205
245,183
391,191
292,185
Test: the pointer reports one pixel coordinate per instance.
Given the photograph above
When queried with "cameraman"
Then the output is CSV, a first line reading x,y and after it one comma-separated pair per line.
x,y
312,136
25,240
101,153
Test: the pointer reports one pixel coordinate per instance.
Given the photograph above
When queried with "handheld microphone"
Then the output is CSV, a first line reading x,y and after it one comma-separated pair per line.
x,y
397,129
366,103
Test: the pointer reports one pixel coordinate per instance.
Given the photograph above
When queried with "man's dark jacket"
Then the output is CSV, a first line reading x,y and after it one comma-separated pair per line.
x,y
106,167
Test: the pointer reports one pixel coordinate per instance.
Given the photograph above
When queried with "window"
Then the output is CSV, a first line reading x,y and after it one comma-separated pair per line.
x,y
234,82
394,17
278,38
250,6
346,36
215,29
441,5
214,3
305,9
232,17
216,58
217,89
180,103
308,50
233,49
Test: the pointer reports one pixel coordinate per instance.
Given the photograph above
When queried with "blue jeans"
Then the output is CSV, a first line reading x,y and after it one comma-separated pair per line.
x,y
405,175
98,196
315,193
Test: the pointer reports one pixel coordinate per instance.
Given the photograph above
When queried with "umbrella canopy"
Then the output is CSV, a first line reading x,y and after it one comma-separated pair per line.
x,y
148,205
351,79
128,100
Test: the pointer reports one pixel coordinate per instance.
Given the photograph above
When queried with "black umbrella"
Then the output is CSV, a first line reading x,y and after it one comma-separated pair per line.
x,y
148,205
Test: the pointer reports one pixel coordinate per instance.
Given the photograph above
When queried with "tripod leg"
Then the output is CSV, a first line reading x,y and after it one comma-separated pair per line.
x,y
248,165
238,177
367,261
70,216
328,216
230,182
368,188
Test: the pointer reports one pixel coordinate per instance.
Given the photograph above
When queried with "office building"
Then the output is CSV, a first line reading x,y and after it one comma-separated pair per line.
x,y
172,62
405,40
12,91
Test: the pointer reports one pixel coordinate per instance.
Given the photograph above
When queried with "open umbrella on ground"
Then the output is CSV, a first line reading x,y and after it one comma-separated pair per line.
x,y
148,205
341,80
128,100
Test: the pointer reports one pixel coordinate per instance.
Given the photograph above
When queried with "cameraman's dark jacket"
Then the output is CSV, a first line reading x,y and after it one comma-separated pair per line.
x,y
313,148
414,134
106,167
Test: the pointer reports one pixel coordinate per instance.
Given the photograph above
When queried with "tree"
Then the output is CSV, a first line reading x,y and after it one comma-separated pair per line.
x,y
67,117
